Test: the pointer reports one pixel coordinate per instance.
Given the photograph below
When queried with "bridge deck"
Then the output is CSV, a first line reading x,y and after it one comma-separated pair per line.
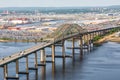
x,y
31,50
18,55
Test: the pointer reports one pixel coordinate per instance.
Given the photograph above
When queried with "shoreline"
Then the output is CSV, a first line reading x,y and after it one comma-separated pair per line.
x,y
5,40
17,41
110,37
107,38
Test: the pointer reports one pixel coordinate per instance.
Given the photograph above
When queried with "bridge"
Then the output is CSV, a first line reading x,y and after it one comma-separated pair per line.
x,y
71,32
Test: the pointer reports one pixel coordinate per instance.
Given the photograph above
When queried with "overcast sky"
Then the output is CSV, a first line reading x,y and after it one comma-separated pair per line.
x,y
57,3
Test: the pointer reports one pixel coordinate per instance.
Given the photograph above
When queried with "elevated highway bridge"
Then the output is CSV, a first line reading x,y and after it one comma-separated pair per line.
x,y
85,40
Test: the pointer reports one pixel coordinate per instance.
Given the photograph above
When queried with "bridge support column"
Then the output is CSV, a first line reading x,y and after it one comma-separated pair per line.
x,y
36,62
101,33
63,49
27,68
88,42
5,71
84,39
81,46
43,73
106,31
98,33
93,34
26,63
17,67
43,56
53,71
73,45
53,53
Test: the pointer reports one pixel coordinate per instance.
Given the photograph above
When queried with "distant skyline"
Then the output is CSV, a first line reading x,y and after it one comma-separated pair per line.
x,y
57,3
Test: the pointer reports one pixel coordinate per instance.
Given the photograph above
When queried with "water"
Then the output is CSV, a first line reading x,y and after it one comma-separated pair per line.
x,y
103,63
38,24
8,48
57,10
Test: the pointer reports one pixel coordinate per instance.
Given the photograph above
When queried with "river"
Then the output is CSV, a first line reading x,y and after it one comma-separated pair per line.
x,y
102,63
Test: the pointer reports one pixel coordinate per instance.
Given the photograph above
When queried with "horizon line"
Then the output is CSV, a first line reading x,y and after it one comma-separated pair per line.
x,y
55,6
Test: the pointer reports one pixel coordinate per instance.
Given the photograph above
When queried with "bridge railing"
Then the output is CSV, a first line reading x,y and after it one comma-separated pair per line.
x,y
25,52
43,45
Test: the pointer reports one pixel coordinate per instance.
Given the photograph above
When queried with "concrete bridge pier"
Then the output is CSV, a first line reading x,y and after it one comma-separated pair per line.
x,y
31,68
83,42
84,39
81,46
102,33
91,40
19,72
63,49
5,72
36,65
63,65
106,31
53,53
24,72
73,45
88,42
26,63
42,56
94,34
17,68
36,61
27,69
53,71
43,73
98,33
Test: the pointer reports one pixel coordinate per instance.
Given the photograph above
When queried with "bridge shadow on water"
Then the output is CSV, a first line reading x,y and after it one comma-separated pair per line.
x,y
63,69
101,61
67,68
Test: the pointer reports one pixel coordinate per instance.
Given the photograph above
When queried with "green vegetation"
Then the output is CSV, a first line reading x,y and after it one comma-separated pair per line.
x,y
5,39
96,38
101,36
22,40
112,31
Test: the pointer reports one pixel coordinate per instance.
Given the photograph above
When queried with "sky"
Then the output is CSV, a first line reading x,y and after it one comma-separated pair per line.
x,y
57,3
